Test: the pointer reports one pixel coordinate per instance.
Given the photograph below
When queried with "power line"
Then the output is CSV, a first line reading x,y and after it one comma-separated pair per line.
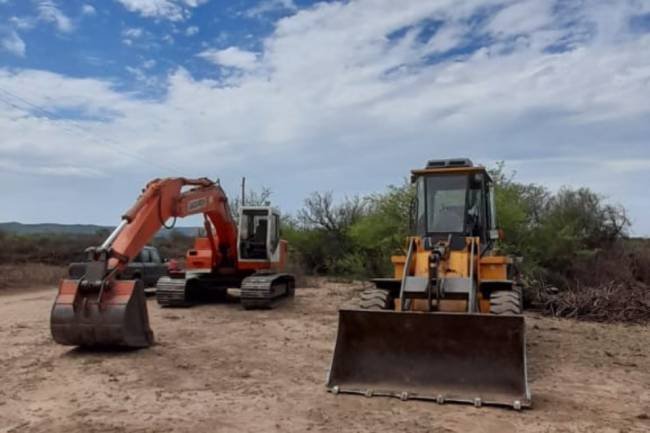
x,y
53,117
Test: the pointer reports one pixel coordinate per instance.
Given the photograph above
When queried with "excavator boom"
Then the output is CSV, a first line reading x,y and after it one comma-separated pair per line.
x,y
99,309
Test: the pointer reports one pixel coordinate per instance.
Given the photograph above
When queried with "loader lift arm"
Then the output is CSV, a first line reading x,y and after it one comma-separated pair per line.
x,y
99,309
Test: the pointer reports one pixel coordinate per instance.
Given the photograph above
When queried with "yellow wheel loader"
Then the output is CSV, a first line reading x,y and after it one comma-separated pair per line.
x,y
448,327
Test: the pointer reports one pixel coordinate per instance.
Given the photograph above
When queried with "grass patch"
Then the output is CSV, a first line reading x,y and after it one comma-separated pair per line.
x,y
30,275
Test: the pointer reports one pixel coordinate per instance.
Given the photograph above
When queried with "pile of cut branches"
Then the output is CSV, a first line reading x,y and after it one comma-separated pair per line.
x,y
610,302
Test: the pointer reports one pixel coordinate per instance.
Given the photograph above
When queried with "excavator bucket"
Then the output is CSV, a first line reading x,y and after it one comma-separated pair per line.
x,y
445,357
119,318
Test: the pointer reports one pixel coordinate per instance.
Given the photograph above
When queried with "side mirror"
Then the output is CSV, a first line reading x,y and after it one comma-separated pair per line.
x,y
497,235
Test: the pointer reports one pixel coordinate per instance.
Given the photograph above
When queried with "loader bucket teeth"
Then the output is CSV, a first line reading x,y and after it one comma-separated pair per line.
x,y
119,319
444,357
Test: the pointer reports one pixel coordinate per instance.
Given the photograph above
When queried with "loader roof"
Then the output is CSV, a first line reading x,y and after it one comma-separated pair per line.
x,y
454,165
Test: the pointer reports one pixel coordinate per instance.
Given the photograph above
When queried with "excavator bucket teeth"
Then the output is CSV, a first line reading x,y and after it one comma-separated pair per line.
x,y
120,318
444,357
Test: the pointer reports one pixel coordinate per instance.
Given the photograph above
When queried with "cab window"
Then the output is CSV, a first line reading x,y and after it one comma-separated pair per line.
x,y
253,233
420,212
145,256
445,202
155,257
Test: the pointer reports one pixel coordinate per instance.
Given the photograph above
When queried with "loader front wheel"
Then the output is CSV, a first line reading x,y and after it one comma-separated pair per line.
x,y
376,299
505,302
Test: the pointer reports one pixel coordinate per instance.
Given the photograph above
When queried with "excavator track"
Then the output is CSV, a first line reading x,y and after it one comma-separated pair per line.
x,y
171,292
264,291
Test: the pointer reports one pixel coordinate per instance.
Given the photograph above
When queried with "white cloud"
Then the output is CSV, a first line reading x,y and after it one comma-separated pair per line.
x,y
140,75
522,17
48,11
340,102
88,10
132,33
231,57
172,10
191,31
64,170
129,35
11,42
267,6
23,23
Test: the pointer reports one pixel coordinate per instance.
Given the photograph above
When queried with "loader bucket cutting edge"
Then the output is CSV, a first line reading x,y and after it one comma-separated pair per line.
x,y
120,319
445,357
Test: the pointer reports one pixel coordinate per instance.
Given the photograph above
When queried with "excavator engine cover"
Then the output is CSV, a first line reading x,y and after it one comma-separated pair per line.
x,y
444,357
119,318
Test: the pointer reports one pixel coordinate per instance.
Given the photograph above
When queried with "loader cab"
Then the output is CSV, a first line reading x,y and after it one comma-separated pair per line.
x,y
453,198
259,234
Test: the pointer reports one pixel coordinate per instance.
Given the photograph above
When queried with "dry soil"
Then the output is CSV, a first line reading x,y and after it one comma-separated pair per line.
x,y
217,368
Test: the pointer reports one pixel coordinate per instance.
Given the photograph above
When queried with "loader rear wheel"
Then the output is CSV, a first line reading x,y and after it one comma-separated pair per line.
x,y
505,302
376,299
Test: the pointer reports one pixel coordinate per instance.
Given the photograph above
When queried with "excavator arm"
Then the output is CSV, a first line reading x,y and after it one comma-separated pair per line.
x,y
99,309
163,199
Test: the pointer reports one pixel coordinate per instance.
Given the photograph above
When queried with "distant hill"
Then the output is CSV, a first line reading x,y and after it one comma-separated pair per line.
x,y
71,229
77,229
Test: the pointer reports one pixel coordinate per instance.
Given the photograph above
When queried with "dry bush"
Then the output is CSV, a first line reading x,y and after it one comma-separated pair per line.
x,y
295,267
610,286
30,275
611,302
173,246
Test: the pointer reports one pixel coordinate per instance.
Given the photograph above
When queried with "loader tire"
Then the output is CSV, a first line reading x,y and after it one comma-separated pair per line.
x,y
505,302
375,299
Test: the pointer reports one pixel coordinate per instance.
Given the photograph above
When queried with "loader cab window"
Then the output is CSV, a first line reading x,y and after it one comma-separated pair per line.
x,y
420,207
448,204
253,233
477,207
446,198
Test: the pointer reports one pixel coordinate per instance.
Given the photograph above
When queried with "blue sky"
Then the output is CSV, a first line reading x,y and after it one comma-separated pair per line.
x,y
97,97
113,40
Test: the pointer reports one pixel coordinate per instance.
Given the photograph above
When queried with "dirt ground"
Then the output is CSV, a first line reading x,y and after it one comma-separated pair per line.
x,y
217,368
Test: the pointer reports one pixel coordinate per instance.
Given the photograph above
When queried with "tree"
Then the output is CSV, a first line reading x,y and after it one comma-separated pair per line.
x,y
253,198
383,230
320,212
554,232
319,236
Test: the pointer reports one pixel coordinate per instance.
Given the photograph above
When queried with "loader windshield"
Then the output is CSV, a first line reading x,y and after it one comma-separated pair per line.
x,y
446,197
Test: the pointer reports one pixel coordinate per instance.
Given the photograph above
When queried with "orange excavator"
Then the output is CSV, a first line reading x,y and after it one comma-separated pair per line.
x,y
100,309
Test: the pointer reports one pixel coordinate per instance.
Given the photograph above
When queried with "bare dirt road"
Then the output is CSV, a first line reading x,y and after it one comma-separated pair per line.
x,y
217,368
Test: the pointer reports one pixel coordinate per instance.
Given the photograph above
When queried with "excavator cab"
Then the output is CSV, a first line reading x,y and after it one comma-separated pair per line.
x,y
447,326
259,234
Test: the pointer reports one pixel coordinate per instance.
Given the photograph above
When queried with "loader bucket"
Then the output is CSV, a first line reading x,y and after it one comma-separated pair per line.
x,y
119,319
445,357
